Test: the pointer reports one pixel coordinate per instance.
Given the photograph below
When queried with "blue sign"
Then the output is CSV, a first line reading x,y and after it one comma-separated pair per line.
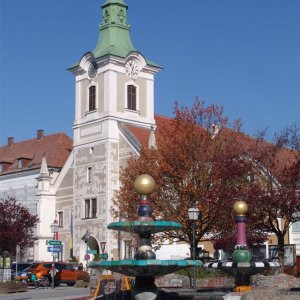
x,y
54,249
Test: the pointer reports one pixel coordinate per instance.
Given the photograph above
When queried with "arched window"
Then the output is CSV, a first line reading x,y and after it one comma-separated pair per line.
x,y
131,97
92,98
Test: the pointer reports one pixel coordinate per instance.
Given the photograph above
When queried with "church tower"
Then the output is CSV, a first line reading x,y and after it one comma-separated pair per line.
x,y
114,86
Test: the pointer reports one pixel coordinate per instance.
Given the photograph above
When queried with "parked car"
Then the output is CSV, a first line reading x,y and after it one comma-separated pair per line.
x,y
20,266
64,273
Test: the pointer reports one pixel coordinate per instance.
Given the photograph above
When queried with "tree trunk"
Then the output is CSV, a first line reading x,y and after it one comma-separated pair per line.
x,y
281,252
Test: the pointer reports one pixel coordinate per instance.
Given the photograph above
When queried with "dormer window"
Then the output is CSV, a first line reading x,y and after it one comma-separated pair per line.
x,y
20,163
92,97
5,164
23,160
131,97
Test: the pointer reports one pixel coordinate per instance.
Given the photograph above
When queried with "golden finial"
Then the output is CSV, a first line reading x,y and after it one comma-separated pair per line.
x,y
240,208
144,184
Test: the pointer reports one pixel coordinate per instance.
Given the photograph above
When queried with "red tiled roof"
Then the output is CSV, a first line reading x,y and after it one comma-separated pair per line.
x,y
55,147
142,134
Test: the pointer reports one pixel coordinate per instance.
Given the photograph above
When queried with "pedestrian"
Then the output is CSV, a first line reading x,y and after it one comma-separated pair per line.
x,y
80,267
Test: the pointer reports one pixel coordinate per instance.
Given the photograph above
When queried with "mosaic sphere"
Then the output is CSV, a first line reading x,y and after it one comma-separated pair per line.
x,y
144,184
144,210
241,256
240,208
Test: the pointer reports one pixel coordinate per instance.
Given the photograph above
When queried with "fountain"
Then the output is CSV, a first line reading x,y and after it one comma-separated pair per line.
x,y
144,267
241,265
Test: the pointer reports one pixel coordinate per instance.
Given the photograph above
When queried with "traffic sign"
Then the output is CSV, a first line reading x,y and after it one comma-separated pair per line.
x,y
54,249
87,257
54,243
91,251
104,256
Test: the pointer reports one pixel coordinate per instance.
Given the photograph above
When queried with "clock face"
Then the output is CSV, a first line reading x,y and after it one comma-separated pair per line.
x,y
132,69
92,71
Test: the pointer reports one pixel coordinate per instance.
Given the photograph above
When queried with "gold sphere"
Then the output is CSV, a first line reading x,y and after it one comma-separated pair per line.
x,y
240,208
144,184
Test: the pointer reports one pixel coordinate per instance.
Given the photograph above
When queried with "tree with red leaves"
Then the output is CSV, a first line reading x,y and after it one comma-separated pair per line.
x,y
17,226
276,202
198,163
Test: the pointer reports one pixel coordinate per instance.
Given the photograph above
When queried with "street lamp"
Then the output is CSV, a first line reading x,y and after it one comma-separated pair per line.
x,y
54,229
85,238
193,213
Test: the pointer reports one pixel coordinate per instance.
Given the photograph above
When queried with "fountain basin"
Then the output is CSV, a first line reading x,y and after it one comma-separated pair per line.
x,y
144,226
234,268
145,268
242,270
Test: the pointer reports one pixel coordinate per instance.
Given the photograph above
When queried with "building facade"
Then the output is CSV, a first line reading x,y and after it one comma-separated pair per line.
x,y
25,176
114,117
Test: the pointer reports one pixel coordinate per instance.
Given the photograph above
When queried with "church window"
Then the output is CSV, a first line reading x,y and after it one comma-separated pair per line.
x,y
92,97
90,208
89,175
60,219
87,208
94,207
131,97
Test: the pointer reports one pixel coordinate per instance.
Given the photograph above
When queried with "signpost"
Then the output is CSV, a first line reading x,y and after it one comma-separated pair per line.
x,y
104,256
54,243
54,249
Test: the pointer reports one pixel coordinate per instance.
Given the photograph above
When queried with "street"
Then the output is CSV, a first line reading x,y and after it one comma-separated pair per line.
x,y
59,293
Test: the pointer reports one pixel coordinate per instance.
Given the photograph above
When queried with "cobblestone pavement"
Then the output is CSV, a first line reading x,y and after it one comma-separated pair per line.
x,y
59,293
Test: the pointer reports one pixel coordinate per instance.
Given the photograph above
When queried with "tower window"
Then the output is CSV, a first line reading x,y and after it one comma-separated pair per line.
x,y
131,97
89,175
94,207
90,208
92,98
60,219
87,208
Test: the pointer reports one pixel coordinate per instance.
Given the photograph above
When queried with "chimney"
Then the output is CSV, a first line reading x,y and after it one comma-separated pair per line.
x,y
10,141
39,134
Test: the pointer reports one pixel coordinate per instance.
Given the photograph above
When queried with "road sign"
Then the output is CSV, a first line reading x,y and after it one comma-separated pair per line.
x,y
54,243
102,246
87,257
91,251
104,256
54,249
54,254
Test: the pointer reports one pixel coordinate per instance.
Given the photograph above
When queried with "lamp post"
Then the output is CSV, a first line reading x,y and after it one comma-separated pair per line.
x,y
193,213
54,230
85,238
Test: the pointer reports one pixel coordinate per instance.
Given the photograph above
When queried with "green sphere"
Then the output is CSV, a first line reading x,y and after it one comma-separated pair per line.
x,y
241,255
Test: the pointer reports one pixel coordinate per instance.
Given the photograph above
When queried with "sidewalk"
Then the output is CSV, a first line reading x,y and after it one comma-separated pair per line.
x,y
59,293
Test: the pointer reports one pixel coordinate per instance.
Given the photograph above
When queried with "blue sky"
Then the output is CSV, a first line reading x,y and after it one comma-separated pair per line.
x,y
243,55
